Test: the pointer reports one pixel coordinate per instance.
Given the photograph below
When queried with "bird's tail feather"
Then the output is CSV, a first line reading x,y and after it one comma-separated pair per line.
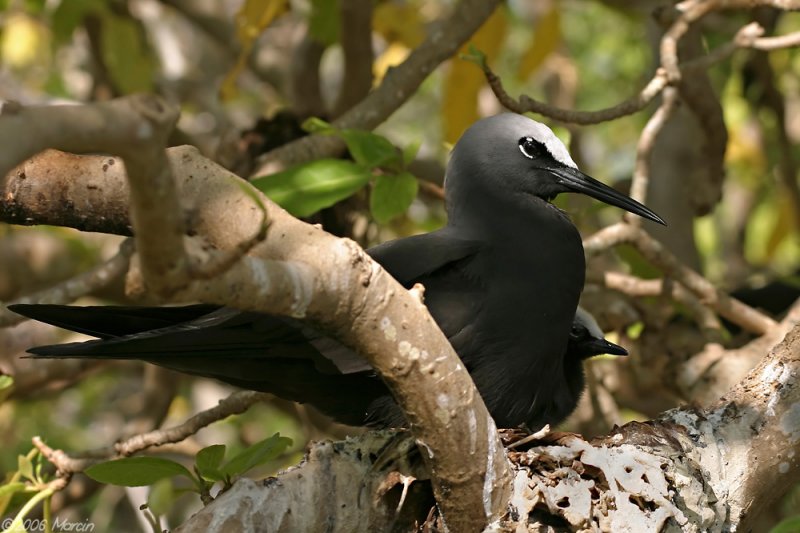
x,y
106,322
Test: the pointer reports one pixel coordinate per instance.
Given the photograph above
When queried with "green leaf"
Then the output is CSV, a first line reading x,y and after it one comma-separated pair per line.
x,y
392,195
208,460
323,21
69,15
25,467
161,497
126,54
788,525
136,471
305,189
257,454
316,125
371,150
635,330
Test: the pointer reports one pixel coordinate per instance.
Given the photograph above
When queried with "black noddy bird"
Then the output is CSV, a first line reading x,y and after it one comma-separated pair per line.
x,y
502,280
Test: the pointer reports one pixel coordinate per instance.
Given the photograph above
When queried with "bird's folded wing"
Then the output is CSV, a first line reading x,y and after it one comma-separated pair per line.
x,y
413,258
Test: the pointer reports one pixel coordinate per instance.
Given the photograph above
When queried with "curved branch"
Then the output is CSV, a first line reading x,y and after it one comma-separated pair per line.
x,y
301,271
398,85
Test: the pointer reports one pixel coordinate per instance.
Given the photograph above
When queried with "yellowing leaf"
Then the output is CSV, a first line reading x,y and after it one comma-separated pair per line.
x,y
546,37
394,54
783,225
253,18
24,41
464,80
399,23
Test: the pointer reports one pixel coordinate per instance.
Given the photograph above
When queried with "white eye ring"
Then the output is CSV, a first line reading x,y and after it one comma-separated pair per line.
x,y
526,141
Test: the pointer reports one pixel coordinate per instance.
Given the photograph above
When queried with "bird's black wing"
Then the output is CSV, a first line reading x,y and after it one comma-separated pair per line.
x,y
412,259
448,267
262,352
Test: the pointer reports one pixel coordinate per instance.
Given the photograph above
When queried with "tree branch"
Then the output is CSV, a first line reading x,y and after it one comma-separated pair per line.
x,y
398,85
298,270
728,307
75,287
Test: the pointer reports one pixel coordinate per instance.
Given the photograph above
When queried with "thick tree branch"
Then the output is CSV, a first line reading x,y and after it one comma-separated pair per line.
x,y
691,470
356,38
299,270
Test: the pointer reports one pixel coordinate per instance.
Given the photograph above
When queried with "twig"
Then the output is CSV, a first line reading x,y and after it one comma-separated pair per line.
x,y
75,287
526,104
641,171
638,287
399,84
432,189
727,306
747,37
776,43
236,403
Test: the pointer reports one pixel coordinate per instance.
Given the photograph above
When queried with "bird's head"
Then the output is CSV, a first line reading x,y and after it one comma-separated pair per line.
x,y
509,155
586,338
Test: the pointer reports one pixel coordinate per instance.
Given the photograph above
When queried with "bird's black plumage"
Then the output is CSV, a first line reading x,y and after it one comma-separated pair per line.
x,y
502,281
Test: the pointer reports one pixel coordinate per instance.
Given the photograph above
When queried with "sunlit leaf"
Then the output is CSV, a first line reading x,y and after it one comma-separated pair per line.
x,y
634,330
126,54
323,22
305,189
257,454
136,471
546,38
316,125
393,55
24,41
392,195
464,80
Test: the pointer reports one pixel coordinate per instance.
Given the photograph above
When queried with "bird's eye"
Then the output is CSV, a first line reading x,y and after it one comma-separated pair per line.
x,y
530,148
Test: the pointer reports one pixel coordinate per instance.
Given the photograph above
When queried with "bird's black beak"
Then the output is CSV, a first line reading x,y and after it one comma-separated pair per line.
x,y
600,346
576,181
